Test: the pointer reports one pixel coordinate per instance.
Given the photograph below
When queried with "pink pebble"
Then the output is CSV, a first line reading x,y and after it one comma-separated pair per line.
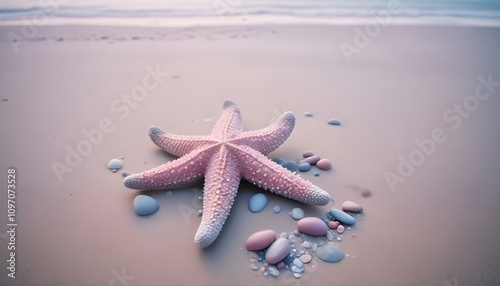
x,y
333,224
340,229
260,240
312,226
307,154
353,207
313,159
280,265
278,250
324,164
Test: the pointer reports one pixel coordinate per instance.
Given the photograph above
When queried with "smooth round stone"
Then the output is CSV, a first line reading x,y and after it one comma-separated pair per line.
x,y
340,229
115,164
276,209
145,205
273,271
324,164
334,121
306,258
312,226
308,114
278,251
292,166
169,193
125,174
297,262
304,167
260,240
297,213
257,202
333,224
329,253
312,160
353,207
341,216
307,154
316,174
280,161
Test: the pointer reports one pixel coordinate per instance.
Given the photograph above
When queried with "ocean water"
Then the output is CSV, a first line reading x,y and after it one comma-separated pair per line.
x,y
484,11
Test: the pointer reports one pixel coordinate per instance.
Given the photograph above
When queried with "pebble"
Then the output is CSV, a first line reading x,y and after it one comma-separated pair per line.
x,y
316,174
273,271
257,202
145,205
339,238
292,166
278,251
297,275
308,114
329,253
306,244
329,235
254,267
304,167
306,258
353,207
312,226
280,161
314,247
276,209
341,216
125,174
260,240
366,193
169,193
333,224
324,164
297,213
115,164
280,265
312,160
334,121
340,229
297,262
307,154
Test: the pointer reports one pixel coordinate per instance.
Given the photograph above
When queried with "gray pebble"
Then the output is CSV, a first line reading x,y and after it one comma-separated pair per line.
x,y
273,271
306,258
115,164
334,121
308,114
297,213
125,174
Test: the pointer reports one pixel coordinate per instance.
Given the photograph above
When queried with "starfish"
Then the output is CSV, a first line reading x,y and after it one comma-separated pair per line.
x,y
223,158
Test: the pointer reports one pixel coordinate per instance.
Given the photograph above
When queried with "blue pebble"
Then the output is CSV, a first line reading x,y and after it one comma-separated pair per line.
x,y
304,167
280,161
308,114
297,213
145,205
276,209
316,174
329,253
257,202
292,166
334,121
341,216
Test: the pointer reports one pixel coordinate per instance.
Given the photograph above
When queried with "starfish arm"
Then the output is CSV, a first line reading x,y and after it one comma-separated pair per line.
x,y
178,145
221,185
261,171
186,169
268,139
230,122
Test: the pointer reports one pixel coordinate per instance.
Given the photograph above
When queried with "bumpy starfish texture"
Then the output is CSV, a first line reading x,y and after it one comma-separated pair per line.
x,y
224,157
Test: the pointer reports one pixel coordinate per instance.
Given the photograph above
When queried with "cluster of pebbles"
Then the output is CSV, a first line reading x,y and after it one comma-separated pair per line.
x,y
313,238
304,165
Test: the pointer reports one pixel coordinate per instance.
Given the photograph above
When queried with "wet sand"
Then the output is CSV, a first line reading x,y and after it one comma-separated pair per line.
x,y
435,224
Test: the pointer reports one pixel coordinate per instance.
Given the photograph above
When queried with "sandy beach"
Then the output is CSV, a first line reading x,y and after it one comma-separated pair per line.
x,y
420,113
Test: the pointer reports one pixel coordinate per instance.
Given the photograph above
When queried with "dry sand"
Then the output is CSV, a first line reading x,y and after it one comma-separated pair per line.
x,y
438,227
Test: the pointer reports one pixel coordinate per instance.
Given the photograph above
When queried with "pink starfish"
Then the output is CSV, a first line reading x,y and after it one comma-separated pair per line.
x,y
224,157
